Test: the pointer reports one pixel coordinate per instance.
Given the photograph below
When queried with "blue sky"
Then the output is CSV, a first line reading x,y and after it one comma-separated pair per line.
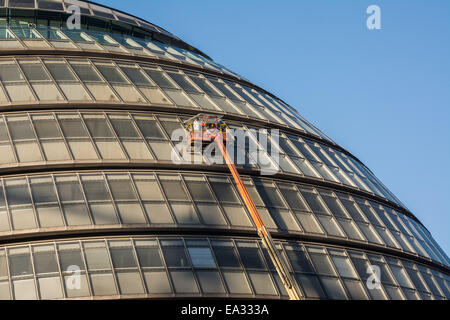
x,y
384,94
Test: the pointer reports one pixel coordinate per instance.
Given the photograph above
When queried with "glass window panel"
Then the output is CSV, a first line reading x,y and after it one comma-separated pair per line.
x,y
131,213
35,72
74,292
344,267
19,92
68,258
60,72
160,78
24,289
262,283
400,275
129,283
97,258
157,282
185,214
211,214
43,191
250,256
226,256
111,74
158,213
200,191
284,219
123,257
237,216
308,222
175,257
236,282
201,257
136,76
330,226
174,190
45,262
299,261
10,73
23,219
49,216
95,190
294,199
76,214
17,192
311,286
28,151
183,282
4,290
224,191
183,82
314,202
162,150
333,288
121,189
103,284
149,257
210,282
322,264
103,214
86,72
150,129
20,262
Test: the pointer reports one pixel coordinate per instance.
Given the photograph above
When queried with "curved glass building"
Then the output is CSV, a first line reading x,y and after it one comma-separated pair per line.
x,y
92,205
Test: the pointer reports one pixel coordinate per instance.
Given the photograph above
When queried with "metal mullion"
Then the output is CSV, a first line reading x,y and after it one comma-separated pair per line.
x,y
2,189
138,130
35,278
266,264
24,46
36,139
63,137
168,139
360,280
218,204
188,255
8,273
105,81
59,201
138,197
52,80
33,206
85,127
243,268
11,142
286,204
61,277
183,183
105,180
393,276
218,269
169,207
113,269
166,268
26,80
86,89
86,270
316,274
335,269
86,203
2,87
108,121
42,37
138,264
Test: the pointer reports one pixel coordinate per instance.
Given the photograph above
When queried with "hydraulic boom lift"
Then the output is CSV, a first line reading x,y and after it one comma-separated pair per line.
x,y
206,129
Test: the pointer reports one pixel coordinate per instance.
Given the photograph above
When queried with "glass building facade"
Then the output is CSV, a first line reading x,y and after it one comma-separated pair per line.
x,y
87,179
